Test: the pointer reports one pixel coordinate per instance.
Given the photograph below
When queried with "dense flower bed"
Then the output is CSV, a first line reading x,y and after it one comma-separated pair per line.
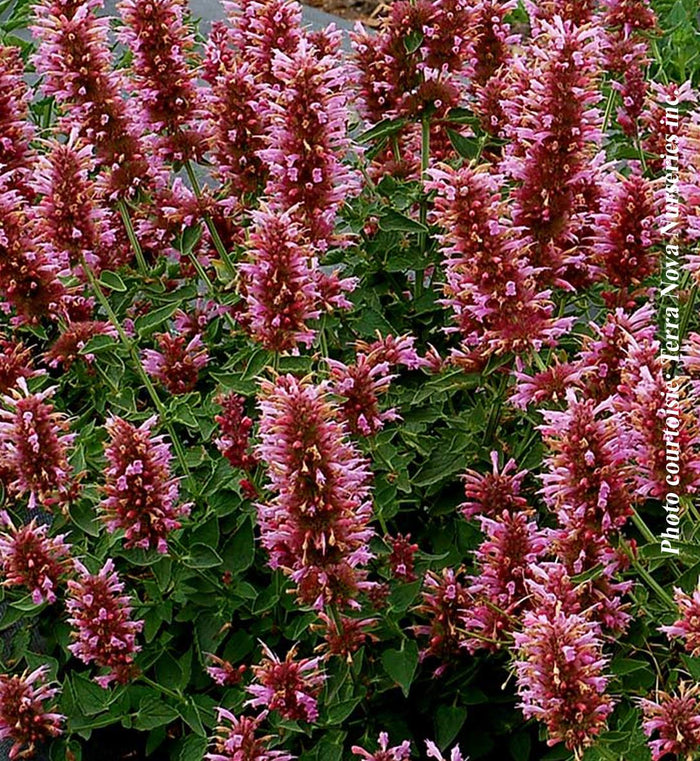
x,y
335,416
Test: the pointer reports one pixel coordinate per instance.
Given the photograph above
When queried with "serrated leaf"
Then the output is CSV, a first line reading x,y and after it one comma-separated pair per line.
x,y
383,129
401,665
154,712
151,320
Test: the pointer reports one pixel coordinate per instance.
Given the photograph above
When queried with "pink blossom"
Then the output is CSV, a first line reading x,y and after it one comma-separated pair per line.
x,y
290,687
587,482
23,716
560,676
237,739
279,284
307,141
30,558
34,443
489,286
140,492
74,58
345,637
445,604
171,104
68,347
100,617
675,719
401,558
490,493
16,129
316,525
224,673
177,362
235,427
687,627
15,363
400,752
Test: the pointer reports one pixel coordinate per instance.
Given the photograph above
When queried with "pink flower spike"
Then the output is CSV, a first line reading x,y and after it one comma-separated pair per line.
x,y
237,739
384,752
290,687
30,558
100,616
23,717
675,719
140,493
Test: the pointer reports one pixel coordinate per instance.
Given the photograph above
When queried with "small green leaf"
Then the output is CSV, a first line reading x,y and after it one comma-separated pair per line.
x,y
153,712
393,220
448,721
467,147
203,556
383,129
112,281
401,665
151,320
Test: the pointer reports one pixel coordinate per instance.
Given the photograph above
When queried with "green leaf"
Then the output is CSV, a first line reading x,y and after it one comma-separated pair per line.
x,y
151,320
383,129
91,698
239,551
393,220
192,749
112,281
401,665
203,556
520,746
413,41
154,712
467,147
98,344
448,721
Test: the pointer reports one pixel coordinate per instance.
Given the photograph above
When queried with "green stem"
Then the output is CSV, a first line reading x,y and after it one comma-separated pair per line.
x,y
133,240
424,164
164,690
495,414
650,580
129,344
209,222
687,312
608,108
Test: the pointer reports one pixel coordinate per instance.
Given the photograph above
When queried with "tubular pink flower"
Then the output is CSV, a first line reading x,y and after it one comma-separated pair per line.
x,y
627,232
446,602
401,559
556,130
560,676
15,363
170,102
490,286
224,673
28,279
384,752
504,560
587,482
234,113
67,348
177,363
32,559
363,382
34,443
279,284
74,58
687,626
16,129
491,493
23,716
675,719
432,751
548,385
140,493
71,224
260,28
235,427
578,12
308,142
346,640
316,527
290,687
237,740
100,615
